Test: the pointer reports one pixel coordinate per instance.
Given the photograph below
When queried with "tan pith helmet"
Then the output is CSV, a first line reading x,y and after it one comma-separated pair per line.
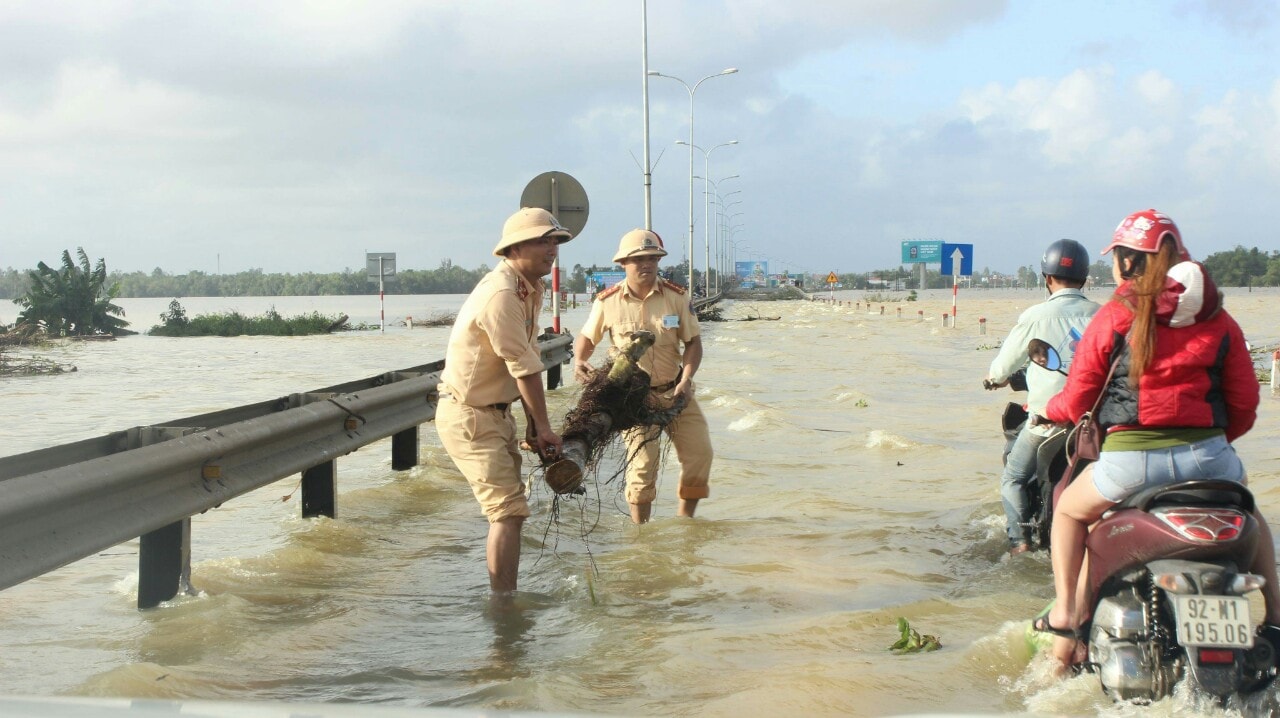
x,y
530,223
639,243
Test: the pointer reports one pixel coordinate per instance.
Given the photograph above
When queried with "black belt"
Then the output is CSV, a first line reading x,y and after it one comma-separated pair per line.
x,y
500,406
669,385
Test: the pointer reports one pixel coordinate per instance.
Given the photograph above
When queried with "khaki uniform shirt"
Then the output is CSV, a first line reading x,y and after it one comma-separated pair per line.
x,y
494,339
665,312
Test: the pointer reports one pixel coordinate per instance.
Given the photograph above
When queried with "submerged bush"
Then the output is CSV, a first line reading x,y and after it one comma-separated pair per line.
x,y
235,324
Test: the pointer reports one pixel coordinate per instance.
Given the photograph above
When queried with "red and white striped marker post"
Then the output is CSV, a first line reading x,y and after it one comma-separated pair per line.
x,y
555,295
955,289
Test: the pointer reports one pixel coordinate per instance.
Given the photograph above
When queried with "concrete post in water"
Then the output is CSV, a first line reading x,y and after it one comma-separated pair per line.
x,y
920,315
1275,370
553,373
319,490
164,563
982,325
164,554
404,449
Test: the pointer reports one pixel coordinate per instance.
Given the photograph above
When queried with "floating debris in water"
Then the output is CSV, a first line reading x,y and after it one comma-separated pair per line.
x,y
911,640
612,402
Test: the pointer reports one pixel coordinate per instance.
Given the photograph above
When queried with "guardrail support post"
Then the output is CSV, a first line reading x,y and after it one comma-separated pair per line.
x,y
319,490
404,449
164,563
553,371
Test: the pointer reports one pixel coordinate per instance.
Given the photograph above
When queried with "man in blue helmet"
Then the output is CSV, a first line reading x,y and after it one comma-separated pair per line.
x,y
1060,321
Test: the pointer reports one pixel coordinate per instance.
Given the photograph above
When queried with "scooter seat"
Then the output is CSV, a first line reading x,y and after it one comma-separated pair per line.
x,y
1211,492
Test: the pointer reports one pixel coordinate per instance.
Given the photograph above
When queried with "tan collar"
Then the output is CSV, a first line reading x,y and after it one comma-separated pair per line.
x,y
657,289
522,285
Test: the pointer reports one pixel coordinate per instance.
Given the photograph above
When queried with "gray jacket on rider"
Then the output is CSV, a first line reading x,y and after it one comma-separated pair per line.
x,y
1053,321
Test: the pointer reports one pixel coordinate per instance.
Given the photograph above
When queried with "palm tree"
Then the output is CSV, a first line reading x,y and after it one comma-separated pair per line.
x,y
73,300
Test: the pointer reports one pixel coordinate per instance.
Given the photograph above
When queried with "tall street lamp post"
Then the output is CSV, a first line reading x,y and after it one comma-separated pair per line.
x,y
722,223
691,91
706,215
715,191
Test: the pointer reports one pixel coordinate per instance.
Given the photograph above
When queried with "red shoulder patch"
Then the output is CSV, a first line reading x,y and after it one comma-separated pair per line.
x,y
673,286
609,292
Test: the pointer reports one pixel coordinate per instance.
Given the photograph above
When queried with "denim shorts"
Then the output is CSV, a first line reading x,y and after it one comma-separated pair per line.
x,y
1119,474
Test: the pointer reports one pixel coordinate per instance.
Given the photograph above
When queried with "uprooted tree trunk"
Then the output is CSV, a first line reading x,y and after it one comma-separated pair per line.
x,y
612,401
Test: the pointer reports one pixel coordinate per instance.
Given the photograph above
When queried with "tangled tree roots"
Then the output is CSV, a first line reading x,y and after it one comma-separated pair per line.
x,y
612,402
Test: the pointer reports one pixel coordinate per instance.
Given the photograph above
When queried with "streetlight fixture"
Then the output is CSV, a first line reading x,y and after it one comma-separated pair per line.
x,y
691,91
722,226
715,189
706,215
732,247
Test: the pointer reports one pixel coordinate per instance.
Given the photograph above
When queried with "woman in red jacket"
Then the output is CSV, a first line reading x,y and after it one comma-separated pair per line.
x,y
1184,388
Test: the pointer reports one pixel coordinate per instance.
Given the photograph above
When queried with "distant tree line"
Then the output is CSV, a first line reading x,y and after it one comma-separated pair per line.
x,y
446,279
1236,268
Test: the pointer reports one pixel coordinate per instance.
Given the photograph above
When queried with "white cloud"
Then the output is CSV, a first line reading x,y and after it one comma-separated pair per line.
x,y
285,134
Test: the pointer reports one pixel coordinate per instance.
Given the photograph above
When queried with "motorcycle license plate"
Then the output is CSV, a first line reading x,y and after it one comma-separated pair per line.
x,y
1220,621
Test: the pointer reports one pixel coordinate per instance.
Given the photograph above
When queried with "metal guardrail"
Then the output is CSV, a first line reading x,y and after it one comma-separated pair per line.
x,y
64,503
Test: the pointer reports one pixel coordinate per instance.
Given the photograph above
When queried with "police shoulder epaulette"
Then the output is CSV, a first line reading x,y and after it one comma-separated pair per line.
x,y
610,291
673,286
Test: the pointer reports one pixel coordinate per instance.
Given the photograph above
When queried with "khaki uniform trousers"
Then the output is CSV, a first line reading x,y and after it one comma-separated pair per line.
x,y
692,440
481,441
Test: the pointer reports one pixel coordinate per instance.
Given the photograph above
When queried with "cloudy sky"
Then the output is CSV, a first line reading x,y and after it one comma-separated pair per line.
x,y
296,136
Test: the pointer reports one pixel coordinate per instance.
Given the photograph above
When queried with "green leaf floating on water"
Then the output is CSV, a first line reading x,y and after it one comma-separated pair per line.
x,y
912,642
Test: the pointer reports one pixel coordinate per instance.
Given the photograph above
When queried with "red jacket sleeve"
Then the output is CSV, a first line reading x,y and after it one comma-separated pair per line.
x,y
1240,386
1090,365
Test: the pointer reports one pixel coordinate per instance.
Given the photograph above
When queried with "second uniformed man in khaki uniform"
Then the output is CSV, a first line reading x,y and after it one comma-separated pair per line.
x,y
644,301
493,359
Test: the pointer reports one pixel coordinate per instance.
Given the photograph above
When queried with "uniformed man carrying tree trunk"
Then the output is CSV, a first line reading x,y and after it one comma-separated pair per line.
x,y
644,302
493,359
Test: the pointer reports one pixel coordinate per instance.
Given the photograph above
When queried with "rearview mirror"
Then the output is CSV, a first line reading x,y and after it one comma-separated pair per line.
x,y
1043,354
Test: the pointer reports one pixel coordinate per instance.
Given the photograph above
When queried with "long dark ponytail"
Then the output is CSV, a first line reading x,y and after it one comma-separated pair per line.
x,y
1145,275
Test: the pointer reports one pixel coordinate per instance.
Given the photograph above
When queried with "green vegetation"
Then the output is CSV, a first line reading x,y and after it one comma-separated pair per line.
x,y
912,642
74,300
30,365
234,324
447,279
1244,268
880,298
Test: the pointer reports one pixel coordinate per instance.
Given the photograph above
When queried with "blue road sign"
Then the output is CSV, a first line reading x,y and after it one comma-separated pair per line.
x,y
949,255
